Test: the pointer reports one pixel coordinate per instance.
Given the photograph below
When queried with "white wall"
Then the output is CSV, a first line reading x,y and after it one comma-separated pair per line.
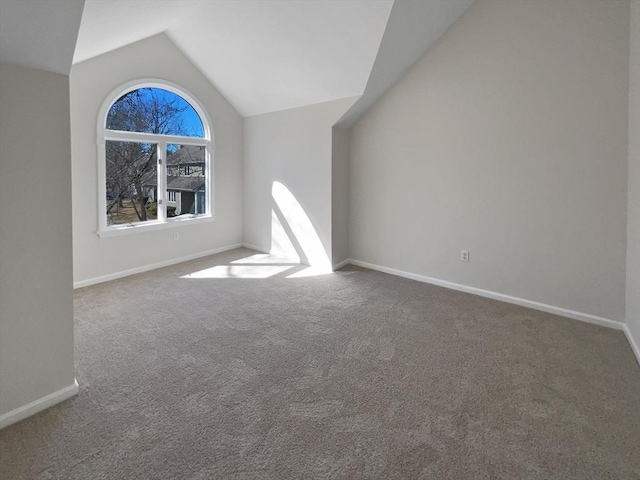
x,y
633,206
91,82
507,139
340,195
292,147
36,304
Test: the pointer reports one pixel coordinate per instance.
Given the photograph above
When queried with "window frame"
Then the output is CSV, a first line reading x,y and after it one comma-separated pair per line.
x,y
161,141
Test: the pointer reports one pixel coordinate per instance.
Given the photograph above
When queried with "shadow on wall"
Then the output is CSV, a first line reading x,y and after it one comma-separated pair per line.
x,y
293,236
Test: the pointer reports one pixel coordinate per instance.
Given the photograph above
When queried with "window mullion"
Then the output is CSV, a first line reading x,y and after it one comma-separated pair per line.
x,y
162,181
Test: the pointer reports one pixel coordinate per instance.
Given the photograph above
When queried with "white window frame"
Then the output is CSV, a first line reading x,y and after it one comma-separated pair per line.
x,y
161,141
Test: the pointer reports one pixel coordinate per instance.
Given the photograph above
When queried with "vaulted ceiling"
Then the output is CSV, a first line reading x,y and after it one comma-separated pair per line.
x,y
262,55
39,33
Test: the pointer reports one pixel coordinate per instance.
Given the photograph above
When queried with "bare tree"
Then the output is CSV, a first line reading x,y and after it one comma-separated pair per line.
x,y
131,165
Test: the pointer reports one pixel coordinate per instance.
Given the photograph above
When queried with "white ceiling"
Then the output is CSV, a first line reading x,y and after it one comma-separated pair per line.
x,y
413,27
39,33
263,55
111,24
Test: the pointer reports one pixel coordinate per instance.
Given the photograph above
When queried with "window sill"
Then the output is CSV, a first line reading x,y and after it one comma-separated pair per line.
x,y
128,229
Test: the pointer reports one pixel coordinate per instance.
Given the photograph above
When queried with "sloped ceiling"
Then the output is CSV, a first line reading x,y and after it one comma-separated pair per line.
x,y
270,55
39,33
273,55
111,24
413,27
262,55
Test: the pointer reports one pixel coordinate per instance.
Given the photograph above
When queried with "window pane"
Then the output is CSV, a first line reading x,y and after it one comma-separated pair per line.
x,y
186,186
132,182
154,110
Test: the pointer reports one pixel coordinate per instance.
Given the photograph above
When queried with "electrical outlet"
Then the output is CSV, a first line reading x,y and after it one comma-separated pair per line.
x,y
176,235
464,256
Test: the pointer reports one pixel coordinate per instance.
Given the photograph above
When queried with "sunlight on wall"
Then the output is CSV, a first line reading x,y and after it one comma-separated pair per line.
x,y
281,244
290,219
294,240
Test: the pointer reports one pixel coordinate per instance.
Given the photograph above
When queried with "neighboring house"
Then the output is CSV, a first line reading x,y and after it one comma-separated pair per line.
x,y
185,181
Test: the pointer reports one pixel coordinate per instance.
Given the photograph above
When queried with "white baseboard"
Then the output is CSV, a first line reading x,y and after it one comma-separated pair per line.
x,y
585,317
632,342
153,266
255,247
338,266
36,406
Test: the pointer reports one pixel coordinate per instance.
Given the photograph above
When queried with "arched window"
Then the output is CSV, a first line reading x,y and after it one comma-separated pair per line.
x,y
155,155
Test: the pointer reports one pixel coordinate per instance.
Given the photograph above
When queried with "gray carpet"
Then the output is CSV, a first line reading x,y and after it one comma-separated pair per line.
x,y
357,375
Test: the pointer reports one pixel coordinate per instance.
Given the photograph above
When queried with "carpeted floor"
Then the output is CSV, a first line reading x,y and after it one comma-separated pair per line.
x,y
354,375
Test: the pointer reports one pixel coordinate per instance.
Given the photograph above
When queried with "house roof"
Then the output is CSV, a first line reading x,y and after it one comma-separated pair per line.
x,y
187,155
185,183
176,183
182,157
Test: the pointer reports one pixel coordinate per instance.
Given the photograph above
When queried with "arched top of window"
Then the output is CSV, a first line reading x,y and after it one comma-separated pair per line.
x,y
155,110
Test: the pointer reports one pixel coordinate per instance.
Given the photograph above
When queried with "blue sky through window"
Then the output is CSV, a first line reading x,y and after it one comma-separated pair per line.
x,y
123,114
191,119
